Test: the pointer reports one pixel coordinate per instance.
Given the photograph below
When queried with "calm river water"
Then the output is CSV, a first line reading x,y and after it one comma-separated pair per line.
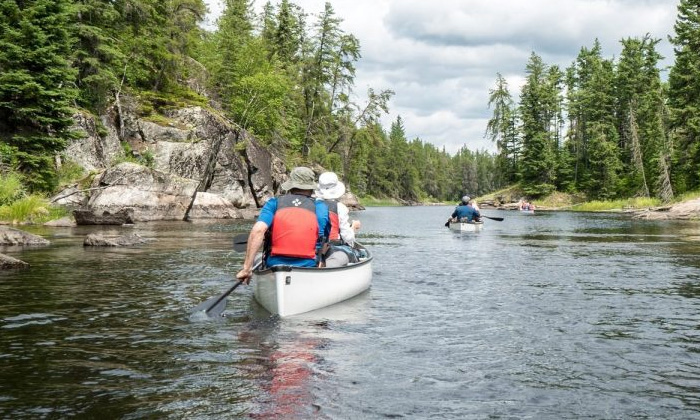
x,y
546,316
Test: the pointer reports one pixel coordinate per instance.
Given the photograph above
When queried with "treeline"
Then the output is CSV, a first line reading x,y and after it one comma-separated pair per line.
x,y
603,127
283,75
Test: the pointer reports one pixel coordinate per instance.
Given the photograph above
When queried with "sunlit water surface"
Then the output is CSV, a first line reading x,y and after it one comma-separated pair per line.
x,y
546,316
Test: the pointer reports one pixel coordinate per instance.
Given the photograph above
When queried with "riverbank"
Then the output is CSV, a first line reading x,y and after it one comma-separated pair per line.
x,y
683,207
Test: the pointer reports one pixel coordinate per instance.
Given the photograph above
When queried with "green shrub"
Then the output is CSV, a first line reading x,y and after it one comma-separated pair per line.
x,y
145,158
101,129
33,209
369,201
608,205
11,188
69,172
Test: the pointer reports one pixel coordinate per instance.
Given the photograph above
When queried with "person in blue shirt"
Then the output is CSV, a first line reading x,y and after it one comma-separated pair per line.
x,y
465,212
298,224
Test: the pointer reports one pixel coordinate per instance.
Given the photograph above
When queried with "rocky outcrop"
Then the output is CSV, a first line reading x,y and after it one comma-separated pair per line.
x,y
16,237
148,194
351,202
190,150
7,262
212,206
687,210
99,144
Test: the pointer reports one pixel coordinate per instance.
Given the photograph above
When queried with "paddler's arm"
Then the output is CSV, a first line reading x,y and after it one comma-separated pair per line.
x,y
255,242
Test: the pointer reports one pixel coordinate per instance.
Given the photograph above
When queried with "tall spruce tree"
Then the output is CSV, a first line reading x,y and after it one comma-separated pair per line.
x,y
640,99
684,97
36,85
539,155
97,57
604,162
501,129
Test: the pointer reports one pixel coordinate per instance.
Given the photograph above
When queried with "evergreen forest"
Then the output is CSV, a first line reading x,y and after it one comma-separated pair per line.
x,y
606,128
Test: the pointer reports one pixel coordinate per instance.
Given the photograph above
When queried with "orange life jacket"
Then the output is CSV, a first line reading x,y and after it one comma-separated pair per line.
x,y
295,227
335,220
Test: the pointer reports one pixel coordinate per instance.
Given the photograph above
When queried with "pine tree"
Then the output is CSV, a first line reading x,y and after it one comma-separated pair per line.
x,y
640,99
36,85
539,155
96,56
500,129
684,96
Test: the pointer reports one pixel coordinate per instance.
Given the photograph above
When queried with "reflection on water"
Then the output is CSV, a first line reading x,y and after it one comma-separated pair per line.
x,y
552,315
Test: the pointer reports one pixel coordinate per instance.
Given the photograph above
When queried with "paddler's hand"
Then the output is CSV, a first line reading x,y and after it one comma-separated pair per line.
x,y
244,275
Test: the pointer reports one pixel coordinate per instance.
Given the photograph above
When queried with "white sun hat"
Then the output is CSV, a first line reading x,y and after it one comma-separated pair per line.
x,y
329,186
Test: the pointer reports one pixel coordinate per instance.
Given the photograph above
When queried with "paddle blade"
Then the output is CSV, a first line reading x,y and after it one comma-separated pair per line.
x,y
498,219
218,309
215,306
204,306
447,223
240,242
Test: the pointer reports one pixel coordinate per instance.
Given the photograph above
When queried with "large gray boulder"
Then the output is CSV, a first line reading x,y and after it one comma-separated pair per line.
x,y
150,194
123,216
7,262
16,237
212,206
131,239
687,210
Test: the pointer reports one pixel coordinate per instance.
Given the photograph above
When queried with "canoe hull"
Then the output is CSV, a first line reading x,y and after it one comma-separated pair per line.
x,y
466,227
287,290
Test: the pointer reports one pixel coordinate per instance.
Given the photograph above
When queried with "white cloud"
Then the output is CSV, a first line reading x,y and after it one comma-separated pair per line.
x,y
441,57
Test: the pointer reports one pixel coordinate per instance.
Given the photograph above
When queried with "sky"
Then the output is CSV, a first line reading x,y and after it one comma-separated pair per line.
x,y
441,57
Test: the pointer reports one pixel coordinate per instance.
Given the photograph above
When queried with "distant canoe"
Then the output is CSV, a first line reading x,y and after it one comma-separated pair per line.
x,y
287,290
466,226
527,211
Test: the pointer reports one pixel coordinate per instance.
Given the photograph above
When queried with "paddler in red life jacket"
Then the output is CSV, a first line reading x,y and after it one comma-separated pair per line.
x,y
342,235
298,225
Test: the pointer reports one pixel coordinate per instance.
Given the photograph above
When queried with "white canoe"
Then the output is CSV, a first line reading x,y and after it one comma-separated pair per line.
x,y
466,226
287,290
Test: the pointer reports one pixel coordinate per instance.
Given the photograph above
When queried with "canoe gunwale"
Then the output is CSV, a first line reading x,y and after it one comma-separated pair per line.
x,y
286,267
278,268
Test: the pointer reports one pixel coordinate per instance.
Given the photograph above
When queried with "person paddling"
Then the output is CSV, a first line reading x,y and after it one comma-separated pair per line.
x,y
298,224
464,212
342,234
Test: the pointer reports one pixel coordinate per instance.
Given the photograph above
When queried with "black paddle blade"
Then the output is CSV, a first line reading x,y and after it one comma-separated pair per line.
x,y
215,306
447,223
498,219
218,309
204,306
240,242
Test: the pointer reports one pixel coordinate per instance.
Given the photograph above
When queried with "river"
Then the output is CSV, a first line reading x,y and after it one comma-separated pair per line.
x,y
548,316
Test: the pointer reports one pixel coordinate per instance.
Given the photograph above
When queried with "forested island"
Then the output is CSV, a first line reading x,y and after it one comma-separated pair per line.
x,y
277,88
